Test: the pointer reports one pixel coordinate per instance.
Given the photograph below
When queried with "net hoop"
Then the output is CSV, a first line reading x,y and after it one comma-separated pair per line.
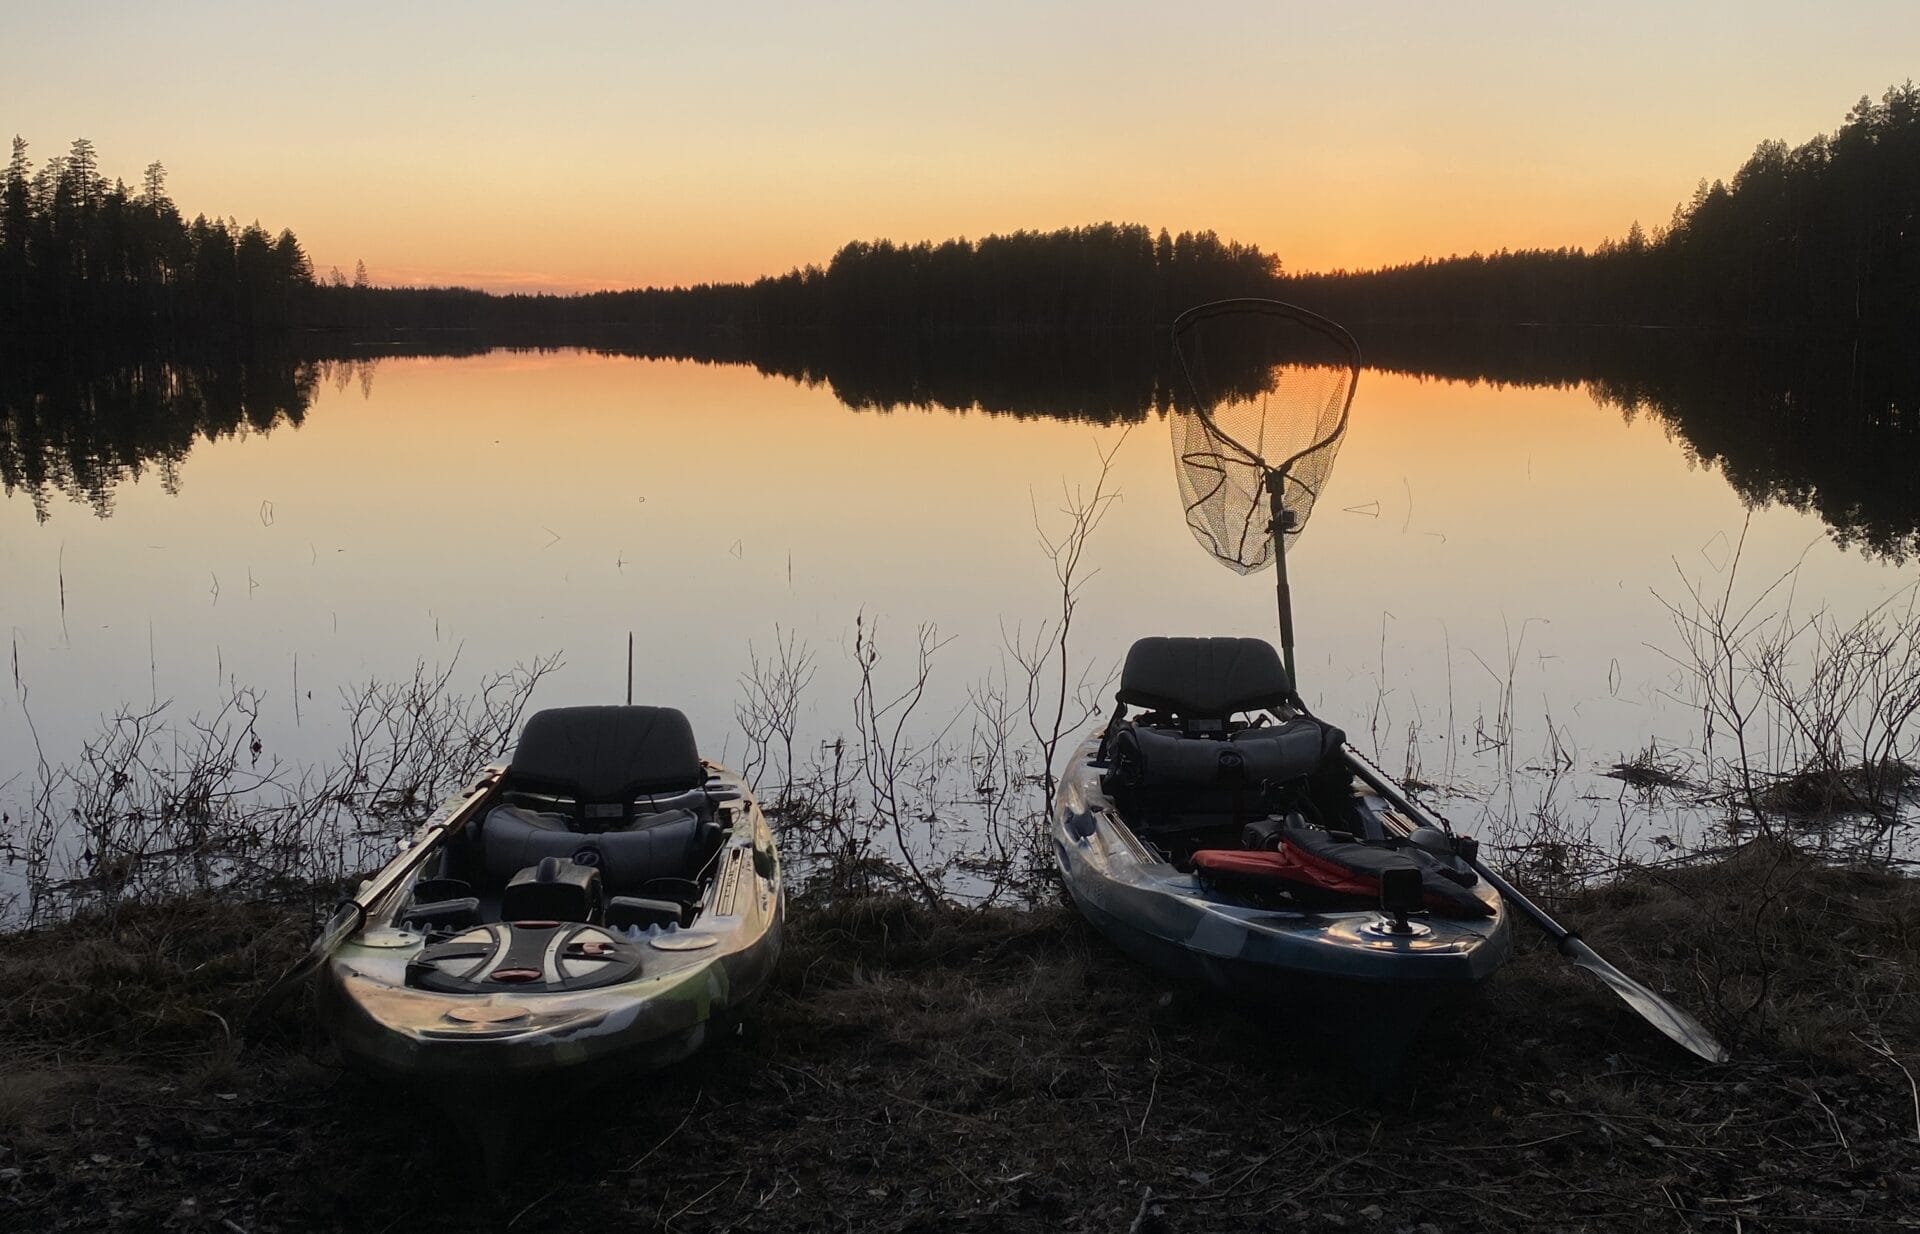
x,y
1264,419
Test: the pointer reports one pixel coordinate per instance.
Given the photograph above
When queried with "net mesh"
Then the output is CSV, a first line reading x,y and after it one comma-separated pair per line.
x,y
1266,391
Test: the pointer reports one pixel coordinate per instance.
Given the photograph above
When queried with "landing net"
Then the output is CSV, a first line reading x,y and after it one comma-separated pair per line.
x,y
1265,398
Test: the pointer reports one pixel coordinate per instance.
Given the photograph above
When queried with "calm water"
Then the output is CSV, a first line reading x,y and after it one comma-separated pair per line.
x,y
1476,544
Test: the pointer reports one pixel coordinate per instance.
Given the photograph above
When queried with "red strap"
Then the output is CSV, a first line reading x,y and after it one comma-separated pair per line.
x,y
1296,866
1289,865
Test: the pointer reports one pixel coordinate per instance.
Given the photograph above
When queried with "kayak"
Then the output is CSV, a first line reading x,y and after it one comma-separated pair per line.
x,y
1216,832
1223,833
600,904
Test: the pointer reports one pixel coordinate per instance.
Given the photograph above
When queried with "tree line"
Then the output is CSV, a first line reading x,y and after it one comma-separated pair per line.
x,y
1101,277
80,255
1823,235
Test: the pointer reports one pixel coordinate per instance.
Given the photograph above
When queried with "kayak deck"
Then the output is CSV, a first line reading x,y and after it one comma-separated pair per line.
x,y
1218,836
615,898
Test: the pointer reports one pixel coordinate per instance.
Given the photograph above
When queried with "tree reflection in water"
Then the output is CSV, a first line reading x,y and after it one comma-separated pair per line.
x,y
83,427
1830,428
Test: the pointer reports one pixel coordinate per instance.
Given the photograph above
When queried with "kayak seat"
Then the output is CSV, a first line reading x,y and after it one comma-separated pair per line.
x,y
669,844
1252,755
1204,681
565,806
1164,780
606,765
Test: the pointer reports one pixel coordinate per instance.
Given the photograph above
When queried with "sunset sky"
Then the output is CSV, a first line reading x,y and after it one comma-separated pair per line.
x,y
569,146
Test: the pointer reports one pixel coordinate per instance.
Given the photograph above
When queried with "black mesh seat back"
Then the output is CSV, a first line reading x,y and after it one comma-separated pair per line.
x,y
606,754
1163,780
1251,756
1203,678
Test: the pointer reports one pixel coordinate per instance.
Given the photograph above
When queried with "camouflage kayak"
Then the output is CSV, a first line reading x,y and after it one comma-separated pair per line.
x,y
599,904
1217,835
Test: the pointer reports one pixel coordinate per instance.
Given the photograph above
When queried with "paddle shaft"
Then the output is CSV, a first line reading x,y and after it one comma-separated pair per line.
x,y
352,913
406,862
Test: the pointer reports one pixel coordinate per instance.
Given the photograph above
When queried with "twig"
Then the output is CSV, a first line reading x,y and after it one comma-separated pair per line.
x,y
696,1199
1888,1054
641,1159
919,1105
1152,1092
537,1200
1678,1211
1140,1217
1838,1134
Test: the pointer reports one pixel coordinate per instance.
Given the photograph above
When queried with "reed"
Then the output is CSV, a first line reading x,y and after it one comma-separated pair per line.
x,y
950,809
1808,730
157,805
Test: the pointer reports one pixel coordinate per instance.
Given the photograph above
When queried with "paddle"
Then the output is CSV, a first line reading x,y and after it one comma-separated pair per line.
x,y
1651,1007
352,913
1269,386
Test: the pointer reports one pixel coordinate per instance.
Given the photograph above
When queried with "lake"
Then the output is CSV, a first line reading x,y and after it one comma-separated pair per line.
x,y
1484,587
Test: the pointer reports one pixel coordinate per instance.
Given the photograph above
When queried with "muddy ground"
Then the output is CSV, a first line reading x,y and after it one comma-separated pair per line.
x,y
1007,1071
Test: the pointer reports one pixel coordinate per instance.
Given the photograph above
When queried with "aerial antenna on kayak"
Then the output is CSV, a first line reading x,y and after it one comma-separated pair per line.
x,y
1258,417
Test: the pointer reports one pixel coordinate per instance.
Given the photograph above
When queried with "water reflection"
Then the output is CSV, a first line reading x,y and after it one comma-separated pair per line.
x,y
1830,432
1824,427
1474,599
1831,429
82,428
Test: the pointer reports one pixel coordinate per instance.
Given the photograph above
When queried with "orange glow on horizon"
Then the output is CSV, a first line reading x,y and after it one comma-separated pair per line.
x,y
622,146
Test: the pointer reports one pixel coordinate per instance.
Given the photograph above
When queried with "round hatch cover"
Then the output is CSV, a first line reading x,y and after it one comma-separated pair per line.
x,y
488,1013
684,942
528,956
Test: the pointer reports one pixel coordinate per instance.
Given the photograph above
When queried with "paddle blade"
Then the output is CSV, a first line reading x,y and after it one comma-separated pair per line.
x,y
1652,1008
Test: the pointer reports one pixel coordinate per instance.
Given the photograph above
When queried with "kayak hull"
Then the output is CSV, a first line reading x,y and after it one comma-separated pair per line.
x,y
1348,973
681,984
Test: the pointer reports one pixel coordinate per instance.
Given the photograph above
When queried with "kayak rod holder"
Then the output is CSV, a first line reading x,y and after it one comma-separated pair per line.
x,y
1400,894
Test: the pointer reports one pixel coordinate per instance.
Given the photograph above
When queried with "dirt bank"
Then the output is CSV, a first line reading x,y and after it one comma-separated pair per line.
x,y
1010,1071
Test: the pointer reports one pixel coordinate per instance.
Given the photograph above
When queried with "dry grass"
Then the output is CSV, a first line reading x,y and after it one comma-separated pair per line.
x,y
1818,793
918,1069
1788,955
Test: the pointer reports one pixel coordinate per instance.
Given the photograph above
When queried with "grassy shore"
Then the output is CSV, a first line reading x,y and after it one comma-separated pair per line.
x,y
1008,1070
